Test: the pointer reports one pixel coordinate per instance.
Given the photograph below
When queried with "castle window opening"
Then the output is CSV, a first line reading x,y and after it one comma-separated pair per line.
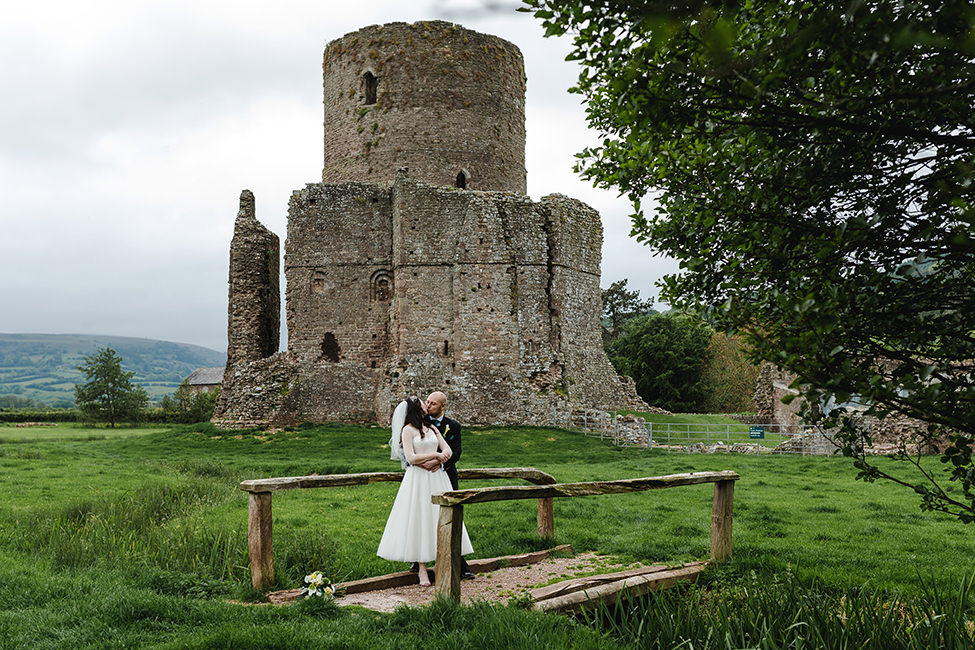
x,y
381,286
318,282
446,348
461,180
330,348
371,86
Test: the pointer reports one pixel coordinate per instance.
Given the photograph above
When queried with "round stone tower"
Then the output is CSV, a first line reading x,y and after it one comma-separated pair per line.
x,y
444,101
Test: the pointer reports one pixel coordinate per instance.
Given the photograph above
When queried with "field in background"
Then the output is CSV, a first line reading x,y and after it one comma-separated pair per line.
x,y
44,367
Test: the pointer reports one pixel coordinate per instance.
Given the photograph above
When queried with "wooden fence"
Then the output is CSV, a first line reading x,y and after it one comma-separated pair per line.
x,y
259,519
452,513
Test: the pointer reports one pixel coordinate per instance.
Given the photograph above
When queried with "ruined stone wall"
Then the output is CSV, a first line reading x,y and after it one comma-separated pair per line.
x,y
447,101
575,242
454,320
254,297
771,387
340,281
481,303
253,315
257,393
888,434
487,295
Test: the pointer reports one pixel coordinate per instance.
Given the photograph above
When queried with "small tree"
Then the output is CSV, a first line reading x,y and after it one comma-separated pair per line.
x,y
620,306
108,394
664,353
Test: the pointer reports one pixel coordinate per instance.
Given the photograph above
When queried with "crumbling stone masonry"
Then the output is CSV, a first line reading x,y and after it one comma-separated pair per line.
x,y
254,303
418,263
888,434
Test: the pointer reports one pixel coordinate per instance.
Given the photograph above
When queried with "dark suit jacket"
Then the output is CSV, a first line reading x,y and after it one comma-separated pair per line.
x,y
450,430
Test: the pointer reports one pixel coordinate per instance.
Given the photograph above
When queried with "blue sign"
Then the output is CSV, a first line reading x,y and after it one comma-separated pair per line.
x,y
756,432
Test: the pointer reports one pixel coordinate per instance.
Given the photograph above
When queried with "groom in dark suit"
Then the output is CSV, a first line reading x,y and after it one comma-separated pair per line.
x,y
449,428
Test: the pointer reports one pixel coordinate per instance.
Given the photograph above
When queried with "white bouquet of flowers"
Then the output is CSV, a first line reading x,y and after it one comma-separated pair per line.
x,y
318,584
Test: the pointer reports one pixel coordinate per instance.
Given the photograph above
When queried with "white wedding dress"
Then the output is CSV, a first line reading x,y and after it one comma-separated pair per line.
x,y
411,530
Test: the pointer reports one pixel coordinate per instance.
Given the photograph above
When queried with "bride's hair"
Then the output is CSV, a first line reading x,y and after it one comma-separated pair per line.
x,y
414,413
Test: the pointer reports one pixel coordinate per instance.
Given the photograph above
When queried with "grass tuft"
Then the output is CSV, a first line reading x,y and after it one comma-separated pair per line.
x,y
783,613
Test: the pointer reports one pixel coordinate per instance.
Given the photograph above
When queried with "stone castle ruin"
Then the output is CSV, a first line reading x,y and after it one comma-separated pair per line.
x,y
419,263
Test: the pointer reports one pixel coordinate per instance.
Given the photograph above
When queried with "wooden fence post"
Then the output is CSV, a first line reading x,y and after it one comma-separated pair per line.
x,y
546,518
721,519
259,540
448,552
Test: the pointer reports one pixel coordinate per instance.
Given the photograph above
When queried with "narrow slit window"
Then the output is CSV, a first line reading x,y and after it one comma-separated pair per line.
x,y
371,83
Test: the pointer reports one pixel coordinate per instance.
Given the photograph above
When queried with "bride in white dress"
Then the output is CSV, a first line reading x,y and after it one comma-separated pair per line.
x,y
411,530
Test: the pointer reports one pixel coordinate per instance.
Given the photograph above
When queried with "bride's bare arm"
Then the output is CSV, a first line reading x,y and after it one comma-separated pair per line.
x,y
431,465
413,458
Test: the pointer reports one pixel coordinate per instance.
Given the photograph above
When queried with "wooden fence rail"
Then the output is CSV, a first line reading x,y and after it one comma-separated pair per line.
x,y
259,520
452,512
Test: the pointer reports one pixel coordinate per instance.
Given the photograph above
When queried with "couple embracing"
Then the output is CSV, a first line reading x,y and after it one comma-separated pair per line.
x,y
420,435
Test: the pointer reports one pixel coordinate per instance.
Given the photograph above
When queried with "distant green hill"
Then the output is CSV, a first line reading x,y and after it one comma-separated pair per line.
x,y
43,367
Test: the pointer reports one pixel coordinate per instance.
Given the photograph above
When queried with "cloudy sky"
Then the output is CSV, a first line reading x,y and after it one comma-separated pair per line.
x,y
129,128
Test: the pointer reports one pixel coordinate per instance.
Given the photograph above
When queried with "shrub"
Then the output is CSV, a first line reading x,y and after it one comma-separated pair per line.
x,y
39,415
729,377
186,406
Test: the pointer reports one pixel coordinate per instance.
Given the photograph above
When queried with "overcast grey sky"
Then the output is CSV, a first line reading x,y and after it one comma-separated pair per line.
x,y
129,129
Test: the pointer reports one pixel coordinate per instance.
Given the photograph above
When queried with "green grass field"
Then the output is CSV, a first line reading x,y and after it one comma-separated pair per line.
x,y
137,537
11,433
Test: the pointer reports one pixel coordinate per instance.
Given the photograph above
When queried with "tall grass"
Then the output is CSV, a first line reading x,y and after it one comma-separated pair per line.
x,y
159,525
784,614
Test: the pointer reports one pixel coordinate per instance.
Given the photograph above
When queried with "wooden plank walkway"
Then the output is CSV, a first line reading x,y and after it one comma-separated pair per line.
x,y
385,593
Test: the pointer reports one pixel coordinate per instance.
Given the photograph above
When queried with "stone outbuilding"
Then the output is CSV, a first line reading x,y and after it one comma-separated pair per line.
x,y
419,263
205,379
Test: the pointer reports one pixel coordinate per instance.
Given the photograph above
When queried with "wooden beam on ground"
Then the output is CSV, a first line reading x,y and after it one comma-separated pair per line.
x,y
589,488
259,535
609,593
495,563
376,583
406,578
589,582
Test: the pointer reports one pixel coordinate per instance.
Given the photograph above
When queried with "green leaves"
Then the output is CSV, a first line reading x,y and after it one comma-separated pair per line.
x,y
665,355
814,172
